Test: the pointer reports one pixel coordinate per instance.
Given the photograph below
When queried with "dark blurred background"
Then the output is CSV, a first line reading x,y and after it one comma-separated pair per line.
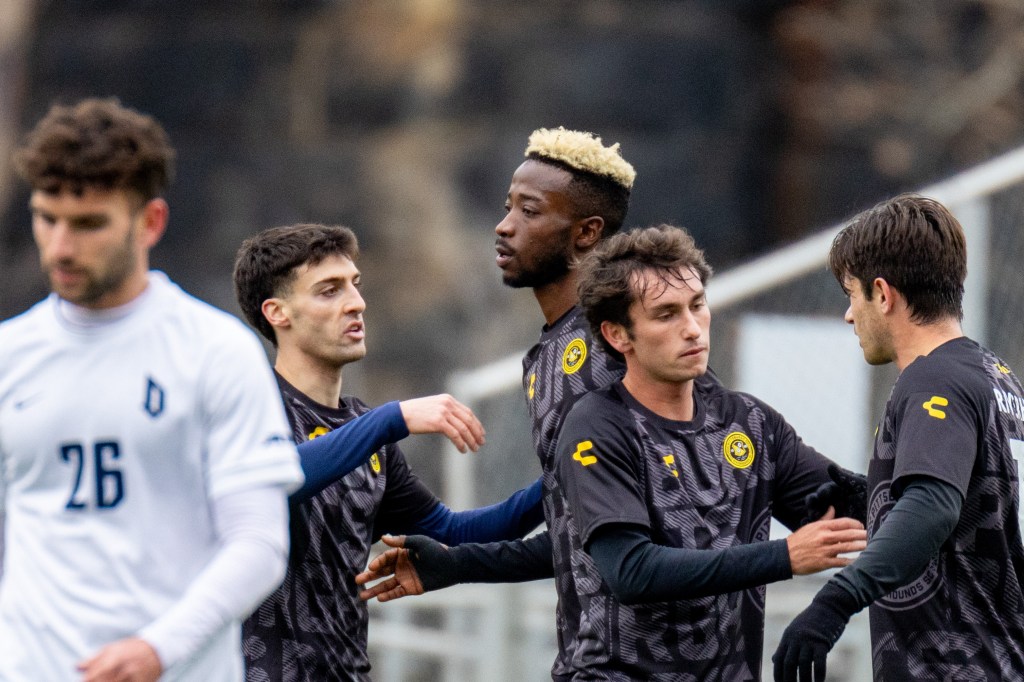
x,y
751,122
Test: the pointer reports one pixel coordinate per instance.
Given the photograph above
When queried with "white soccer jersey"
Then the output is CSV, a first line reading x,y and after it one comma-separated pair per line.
x,y
114,439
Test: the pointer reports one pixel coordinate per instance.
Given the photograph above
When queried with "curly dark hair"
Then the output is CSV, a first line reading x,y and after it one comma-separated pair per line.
x,y
607,274
266,264
97,143
916,245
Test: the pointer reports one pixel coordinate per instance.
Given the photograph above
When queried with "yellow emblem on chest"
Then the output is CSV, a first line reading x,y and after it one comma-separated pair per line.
x,y
738,450
574,356
375,463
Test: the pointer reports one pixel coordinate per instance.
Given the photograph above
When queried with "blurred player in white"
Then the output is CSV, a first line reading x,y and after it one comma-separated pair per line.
x,y
145,453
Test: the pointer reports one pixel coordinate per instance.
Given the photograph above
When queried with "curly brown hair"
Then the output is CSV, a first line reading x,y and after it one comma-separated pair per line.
x,y
606,275
96,143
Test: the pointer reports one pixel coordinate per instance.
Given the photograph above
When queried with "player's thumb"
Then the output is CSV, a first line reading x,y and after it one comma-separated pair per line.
x,y
829,514
393,540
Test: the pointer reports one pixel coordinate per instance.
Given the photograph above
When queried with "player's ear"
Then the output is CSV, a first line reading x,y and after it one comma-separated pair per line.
x,y
154,221
884,293
616,336
276,312
588,232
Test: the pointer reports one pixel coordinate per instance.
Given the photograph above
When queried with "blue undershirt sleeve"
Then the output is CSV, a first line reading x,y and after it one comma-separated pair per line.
x,y
513,518
333,455
640,571
911,534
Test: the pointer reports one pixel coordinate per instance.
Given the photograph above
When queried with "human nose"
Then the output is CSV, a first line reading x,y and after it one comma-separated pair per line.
x,y
355,303
56,241
691,326
505,228
848,316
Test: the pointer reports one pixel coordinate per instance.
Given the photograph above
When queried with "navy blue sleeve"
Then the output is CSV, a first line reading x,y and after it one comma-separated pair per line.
x,y
333,455
513,518
639,571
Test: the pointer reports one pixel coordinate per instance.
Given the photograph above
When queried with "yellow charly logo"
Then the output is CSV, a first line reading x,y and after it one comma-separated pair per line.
x,y
574,356
1002,368
670,462
531,390
318,431
738,450
585,460
375,463
931,409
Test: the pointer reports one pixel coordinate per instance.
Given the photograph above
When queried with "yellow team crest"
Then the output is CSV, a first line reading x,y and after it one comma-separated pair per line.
x,y
375,463
532,390
738,450
318,431
574,356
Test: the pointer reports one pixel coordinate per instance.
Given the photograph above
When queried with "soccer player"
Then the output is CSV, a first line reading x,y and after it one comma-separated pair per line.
x,y
944,567
299,286
144,456
569,194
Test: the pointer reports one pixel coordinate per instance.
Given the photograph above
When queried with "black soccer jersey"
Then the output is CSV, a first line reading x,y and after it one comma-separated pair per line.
x,y
710,483
314,626
563,366
957,415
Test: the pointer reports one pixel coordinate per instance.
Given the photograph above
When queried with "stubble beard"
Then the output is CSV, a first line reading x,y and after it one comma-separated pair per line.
x,y
552,268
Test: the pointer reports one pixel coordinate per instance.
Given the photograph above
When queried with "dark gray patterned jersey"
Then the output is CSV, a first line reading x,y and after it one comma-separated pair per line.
x,y
314,626
956,415
563,366
710,483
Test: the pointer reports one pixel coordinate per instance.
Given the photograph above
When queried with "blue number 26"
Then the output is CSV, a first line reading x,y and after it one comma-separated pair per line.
x,y
107,478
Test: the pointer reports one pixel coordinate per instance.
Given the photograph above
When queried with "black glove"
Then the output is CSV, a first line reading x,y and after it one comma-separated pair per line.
x,y
847,492
434,563
812,634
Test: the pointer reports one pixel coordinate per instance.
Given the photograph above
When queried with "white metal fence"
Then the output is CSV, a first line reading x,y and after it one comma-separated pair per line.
x,y
764,312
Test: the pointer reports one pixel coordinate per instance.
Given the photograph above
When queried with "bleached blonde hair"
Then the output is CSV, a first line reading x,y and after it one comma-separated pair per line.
x,y
581,151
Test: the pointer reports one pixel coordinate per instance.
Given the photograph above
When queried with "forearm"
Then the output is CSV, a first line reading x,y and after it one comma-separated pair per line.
x,y
512,518
253,528
513,561
912,533
639,571
333,455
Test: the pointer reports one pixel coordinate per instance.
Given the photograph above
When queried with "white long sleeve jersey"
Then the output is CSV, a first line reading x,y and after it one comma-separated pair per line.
x,y
117,431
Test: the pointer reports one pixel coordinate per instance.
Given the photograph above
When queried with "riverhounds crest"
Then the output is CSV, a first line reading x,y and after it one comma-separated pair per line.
x,y
738,450
574,356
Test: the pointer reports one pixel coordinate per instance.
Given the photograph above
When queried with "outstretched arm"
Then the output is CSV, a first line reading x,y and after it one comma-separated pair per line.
x,y
513,518
911,534
638,571
417,564
333,455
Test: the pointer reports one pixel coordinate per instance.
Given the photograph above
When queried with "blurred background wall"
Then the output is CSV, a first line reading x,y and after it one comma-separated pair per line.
x,y
751,122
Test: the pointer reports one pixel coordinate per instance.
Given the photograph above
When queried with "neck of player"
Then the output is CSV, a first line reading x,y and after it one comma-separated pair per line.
x,y
668,399
556,298
916,340
317,380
